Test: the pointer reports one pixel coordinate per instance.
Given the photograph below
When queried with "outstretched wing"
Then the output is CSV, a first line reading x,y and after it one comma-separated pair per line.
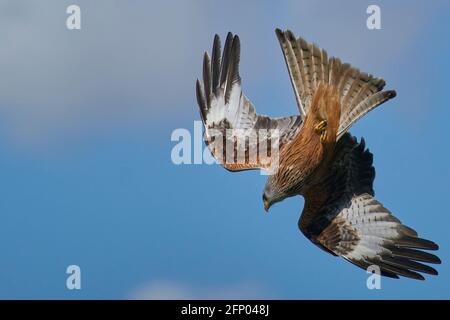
x,y
235,134
342,217
309,65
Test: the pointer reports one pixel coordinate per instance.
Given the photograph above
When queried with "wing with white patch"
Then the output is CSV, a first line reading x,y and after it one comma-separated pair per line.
x,y
342,217
236,135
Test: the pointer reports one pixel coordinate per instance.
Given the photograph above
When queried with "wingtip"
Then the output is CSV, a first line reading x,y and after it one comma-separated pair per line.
x,y
419,277
236,40
362,143
279,32
216,42
290,35
392,94
200,100
206,56
198,91
432,271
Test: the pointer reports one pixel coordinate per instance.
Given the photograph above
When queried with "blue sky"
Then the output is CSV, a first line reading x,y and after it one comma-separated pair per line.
x,y
86,175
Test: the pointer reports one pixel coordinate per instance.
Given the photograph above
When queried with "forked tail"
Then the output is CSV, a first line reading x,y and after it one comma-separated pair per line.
x,y
309,66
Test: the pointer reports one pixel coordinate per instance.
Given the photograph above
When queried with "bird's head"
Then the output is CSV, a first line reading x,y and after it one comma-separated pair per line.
x,y
271,195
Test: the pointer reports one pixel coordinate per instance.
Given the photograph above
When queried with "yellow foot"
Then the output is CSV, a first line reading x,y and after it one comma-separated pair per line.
x,y
323,136
320,126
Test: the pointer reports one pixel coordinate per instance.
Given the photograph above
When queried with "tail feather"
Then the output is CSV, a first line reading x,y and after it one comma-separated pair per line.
x,y
359,92
308,66
357,111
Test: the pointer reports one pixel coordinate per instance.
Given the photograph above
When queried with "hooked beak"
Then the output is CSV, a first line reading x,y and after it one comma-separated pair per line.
x,y
266,205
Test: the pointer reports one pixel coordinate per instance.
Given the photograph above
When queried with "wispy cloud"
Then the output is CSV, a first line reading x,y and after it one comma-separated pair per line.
x,y
169,290
135,64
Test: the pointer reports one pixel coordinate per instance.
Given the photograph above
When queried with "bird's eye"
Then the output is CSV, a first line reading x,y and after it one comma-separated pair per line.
x,y
264,197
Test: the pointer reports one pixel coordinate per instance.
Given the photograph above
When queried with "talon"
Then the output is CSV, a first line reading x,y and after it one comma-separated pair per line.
x,y
323,137
320,126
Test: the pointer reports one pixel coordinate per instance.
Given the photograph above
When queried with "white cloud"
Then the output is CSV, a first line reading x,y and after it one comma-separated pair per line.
x,y
135,64
168,290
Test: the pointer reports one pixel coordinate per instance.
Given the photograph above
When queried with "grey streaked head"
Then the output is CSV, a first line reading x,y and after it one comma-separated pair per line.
x,y
271,194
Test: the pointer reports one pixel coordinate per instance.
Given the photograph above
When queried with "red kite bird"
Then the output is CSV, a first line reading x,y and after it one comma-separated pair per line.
x,y
318,158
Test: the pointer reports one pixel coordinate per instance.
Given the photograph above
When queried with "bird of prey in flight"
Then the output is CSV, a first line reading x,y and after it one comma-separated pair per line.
x,y
317,157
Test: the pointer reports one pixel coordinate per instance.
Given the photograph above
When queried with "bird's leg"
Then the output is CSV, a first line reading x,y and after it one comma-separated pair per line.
x,y
321,128
323,136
